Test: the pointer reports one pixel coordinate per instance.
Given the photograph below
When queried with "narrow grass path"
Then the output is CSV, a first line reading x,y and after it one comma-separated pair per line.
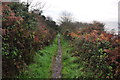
x,y
57,64
41,68
64,61
68,66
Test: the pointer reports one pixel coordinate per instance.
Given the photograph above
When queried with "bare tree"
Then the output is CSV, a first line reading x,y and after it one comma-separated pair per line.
x,y
66,17
66,22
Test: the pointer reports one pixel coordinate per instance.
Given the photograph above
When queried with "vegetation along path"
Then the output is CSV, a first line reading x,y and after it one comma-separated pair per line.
x,y
41,67
53,61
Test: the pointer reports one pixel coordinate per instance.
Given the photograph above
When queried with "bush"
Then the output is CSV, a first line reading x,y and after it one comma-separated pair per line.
x,y
25,34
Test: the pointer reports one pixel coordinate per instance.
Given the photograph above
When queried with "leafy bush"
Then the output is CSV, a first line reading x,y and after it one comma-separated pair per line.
x,y
97,51
25,33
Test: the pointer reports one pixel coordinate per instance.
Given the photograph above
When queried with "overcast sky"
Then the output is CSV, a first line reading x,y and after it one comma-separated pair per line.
x,y
83,10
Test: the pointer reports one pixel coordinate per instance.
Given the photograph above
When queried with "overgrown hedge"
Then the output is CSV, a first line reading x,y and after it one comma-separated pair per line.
x,y
24,34
97,50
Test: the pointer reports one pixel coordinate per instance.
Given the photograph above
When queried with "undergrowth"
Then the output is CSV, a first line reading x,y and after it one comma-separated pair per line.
x,y
41,68
69,68
72,67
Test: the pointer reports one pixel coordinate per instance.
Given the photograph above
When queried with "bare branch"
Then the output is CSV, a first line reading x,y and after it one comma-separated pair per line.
x,y
38,6
66,17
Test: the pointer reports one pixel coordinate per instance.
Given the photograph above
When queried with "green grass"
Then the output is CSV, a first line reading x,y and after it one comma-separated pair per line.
x,y
42,63
72,67
69,68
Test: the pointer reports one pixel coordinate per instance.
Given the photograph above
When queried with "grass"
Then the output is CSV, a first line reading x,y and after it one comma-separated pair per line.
x,y
72,67
69,68
42,63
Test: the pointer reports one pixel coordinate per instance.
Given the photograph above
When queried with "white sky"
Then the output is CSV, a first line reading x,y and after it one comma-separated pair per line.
x,y
83,10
